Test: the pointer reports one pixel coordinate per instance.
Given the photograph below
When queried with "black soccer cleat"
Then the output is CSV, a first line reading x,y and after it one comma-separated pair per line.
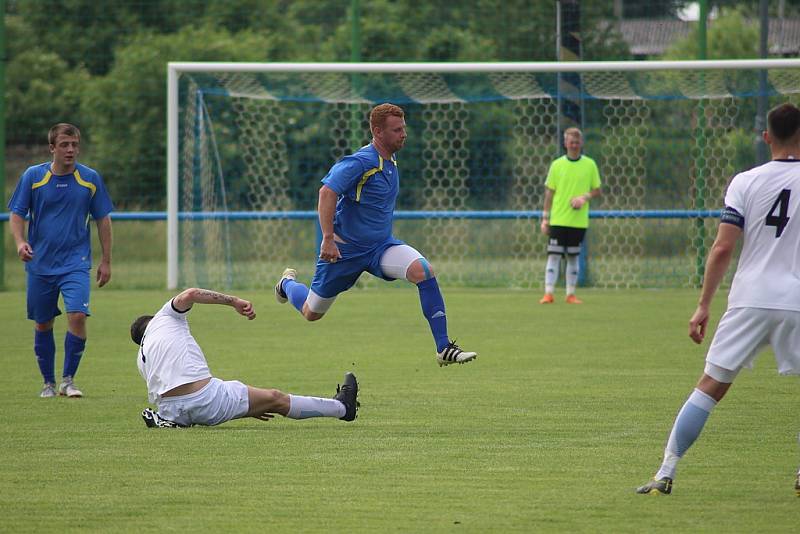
x,y
656,487
797,484
347,394
153,420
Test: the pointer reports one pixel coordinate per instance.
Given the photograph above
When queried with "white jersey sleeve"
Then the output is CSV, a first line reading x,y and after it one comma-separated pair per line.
x,y
767,201
169,356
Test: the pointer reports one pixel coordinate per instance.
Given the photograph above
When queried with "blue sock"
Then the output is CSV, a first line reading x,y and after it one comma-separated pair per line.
x,y
433,309
296,292
73,350
690,421
44,346
688,425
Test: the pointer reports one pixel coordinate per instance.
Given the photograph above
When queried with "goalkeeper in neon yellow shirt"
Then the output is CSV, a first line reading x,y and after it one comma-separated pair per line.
x,y
572,181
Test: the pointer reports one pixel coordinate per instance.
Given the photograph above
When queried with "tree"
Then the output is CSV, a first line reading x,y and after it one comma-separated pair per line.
x,y
41,91
731,36
127,107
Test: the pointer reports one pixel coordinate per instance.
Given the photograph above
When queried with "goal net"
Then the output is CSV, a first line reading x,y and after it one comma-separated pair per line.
x,y
249,144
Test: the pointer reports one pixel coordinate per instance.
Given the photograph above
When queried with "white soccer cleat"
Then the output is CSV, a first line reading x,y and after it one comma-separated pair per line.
x,y
452,353
68,389
48,391
280,296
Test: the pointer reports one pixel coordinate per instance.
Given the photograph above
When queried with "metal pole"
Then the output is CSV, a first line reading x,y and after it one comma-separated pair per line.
x,y
356,138
761,114
355,78
172,177
570,92
700,162
559,126
3,139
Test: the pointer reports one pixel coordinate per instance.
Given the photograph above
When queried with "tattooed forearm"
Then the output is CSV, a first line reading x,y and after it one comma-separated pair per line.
x,y
205,296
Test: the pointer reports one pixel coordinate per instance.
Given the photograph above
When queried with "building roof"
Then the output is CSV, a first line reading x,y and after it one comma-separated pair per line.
x,y
652,37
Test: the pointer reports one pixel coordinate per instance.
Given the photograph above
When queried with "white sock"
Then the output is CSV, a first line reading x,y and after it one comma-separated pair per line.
x,y
301,407
572,273
668,466
551,272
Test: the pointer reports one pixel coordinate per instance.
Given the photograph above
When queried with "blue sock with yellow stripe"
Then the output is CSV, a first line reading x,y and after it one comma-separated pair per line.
x,y
44,346
430,297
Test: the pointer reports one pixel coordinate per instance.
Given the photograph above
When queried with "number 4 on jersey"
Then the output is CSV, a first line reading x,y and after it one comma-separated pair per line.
x,y
781,205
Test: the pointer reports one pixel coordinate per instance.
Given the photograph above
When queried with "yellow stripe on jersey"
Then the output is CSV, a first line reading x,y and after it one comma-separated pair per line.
x,y
84,183
43,181
366,176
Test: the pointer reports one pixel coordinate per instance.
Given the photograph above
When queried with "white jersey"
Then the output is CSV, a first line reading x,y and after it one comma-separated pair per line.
x,y
768,200
169,356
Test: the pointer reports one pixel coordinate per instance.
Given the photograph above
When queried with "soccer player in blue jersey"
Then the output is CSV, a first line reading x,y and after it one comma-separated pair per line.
x,y
356,206
59,196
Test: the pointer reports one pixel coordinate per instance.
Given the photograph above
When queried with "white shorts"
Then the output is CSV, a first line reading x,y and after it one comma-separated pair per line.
x,y
216,403
743,332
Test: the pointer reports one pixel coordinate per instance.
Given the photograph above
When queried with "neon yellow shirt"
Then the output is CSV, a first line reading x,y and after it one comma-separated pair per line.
x,y
569,179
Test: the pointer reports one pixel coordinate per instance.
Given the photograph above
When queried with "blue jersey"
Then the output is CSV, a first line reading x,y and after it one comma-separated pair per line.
x,y
367,186
59,209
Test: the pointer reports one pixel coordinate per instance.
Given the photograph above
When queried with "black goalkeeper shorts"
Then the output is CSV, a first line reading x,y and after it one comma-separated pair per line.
x,y
565,240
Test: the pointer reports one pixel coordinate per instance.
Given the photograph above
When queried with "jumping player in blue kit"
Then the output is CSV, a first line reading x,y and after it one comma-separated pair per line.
x,y
59,196
356,206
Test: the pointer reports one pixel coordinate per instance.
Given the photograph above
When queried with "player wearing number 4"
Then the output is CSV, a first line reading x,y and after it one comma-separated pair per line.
x,y
356,207
762,206
572,181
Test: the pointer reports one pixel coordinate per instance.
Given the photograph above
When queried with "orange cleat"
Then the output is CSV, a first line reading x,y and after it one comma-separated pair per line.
x,y
547,299
572,299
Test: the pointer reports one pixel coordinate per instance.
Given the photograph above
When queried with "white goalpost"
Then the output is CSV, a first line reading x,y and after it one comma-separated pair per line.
x,y
247,144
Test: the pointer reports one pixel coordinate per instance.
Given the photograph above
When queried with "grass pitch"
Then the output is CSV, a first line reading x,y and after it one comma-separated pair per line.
x,y
565,411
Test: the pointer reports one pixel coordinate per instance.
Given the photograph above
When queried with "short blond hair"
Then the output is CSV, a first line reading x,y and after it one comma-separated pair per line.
x,y
573,132
379,114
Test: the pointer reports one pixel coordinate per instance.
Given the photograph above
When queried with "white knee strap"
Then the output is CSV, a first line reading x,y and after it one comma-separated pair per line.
x,y
397,259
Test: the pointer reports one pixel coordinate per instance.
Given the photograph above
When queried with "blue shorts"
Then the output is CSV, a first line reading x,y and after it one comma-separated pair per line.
x,y
330,279
43,291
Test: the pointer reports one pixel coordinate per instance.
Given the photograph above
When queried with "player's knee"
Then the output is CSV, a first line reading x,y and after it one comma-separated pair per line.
x,y
268,401
276,397
419,270
44,327
311,316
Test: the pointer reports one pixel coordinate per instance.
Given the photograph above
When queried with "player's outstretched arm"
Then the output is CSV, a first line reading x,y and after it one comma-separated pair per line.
x,y
194,295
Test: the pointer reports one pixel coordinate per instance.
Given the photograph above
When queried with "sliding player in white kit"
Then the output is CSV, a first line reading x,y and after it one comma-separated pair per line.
x,y
762,205
180,384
